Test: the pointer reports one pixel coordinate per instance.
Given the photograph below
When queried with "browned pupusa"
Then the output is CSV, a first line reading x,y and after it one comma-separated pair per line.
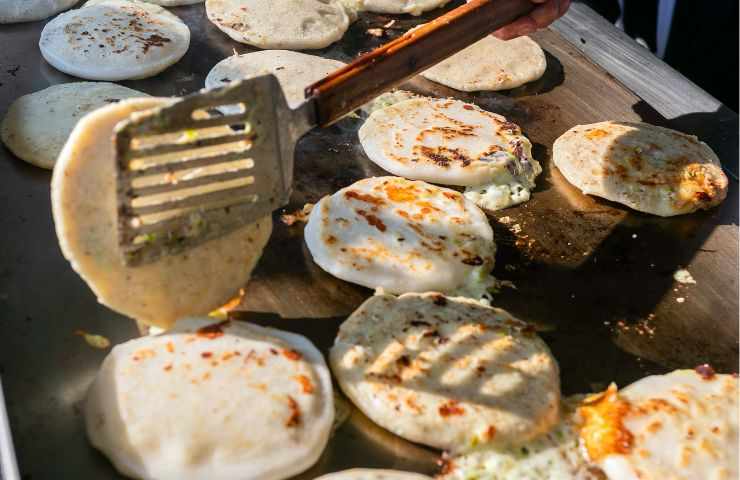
x,y
447,372
651,169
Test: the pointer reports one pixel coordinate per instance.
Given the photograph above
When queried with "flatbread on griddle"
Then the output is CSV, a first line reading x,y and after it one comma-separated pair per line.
x,y
294,70
281,24
373,474
207,400
679,426
451,142
17,11
491,64
651,169
114,40
447,372
413,7
403,236
83,194
37,125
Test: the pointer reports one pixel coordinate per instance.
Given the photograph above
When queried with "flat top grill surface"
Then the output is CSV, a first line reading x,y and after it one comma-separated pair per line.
x,y
597,278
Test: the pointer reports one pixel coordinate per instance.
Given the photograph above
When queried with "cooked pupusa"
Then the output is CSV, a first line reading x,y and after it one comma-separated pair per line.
x,y
281,24
174,3
114,40
491,64
447,372
554,455
13,11
680,426
414,7
402,236
373,474
220,401
651,169
37,125
451,142
83,197
294,70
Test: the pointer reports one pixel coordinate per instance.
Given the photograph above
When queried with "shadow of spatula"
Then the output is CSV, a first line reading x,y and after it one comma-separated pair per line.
x,y
187,172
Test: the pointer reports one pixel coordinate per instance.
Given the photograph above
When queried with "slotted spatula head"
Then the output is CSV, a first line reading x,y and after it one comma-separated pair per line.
x,y
204,166
187,174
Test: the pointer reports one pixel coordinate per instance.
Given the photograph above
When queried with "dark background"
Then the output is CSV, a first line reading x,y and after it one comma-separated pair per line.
x,y
703,41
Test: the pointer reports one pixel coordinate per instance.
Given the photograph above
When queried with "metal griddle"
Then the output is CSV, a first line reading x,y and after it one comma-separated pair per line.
x,y
597,278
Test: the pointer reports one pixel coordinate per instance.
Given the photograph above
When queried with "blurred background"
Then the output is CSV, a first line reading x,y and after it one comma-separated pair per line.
x,y
699,38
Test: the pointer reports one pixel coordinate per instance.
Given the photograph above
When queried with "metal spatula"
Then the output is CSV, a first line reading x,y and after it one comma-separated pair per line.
x,y
187,173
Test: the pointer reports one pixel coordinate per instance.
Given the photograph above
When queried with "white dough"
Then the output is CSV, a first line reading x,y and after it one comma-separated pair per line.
x,y
37,125
491,64
16,11
414,7
212,401
403,236
281,24
372,474
451,142
295,71
114,40
83,195
447,372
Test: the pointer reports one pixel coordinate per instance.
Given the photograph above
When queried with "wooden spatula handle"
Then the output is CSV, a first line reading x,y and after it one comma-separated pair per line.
x,y
396,61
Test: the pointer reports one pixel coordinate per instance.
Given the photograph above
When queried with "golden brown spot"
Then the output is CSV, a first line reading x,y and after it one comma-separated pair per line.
x,y
372,220
401,194
596,133
305,383
295,413
451,408
603,431
363,197
654,426
170,347
292,355
167,367
212,331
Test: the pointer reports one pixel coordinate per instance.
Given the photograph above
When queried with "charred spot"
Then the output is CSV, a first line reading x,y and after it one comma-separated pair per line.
x,y
295,413
292,355
212,331
395,378
273,351
445,464
372,220
431,333
703,196
474,261
404,360
440,300
363,197
444,156
419,323
451,408
706,372
511,128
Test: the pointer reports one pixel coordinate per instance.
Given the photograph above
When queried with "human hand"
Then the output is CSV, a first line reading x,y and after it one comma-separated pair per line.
x,y
543,15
